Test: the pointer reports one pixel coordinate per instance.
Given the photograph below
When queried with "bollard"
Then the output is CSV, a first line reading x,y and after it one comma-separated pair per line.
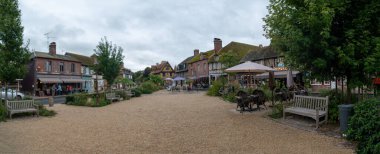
x,y
51,101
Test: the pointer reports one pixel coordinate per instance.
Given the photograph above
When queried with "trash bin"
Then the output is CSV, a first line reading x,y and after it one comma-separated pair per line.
x,y
345,112
51,101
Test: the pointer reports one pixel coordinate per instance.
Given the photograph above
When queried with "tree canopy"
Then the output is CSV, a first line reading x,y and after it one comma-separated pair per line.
x,y
229,59
330,39
13,56
109,60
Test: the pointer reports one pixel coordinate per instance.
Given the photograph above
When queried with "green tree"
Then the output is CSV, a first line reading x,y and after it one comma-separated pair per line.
x,y
229,59
147,71
109,60
137,77
156,79
13,56
330,39
124,81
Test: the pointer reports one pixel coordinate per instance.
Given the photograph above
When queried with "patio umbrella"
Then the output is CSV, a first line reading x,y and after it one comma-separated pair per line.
x,y
170,79
178,78
250,67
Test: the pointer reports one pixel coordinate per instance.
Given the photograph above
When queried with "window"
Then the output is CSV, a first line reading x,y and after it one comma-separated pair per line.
x,y
61,66
204,67
199,68
72,67
326,83
163,74
48,66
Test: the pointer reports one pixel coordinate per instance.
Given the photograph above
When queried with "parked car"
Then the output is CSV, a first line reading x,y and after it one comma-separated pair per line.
x,y
12,94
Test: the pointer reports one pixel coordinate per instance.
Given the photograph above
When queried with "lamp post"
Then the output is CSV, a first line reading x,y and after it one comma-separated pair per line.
x,y
96,81
18,85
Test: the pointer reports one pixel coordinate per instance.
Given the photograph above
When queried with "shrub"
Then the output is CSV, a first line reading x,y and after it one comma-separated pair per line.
x,y
27,98
277,111
3,112
335,99
84,99
42,111
364,126
148,87
69,99
216,86
137,92
123,94
156,79
79,99
230,97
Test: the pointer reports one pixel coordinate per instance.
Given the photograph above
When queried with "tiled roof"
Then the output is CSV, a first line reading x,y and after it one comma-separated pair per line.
x,y
56,56
84,59
186,60
261,53
206,55
159,67
180,67
240,48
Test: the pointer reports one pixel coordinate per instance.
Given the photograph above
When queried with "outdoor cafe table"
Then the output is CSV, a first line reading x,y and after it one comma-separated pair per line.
x,y
252,99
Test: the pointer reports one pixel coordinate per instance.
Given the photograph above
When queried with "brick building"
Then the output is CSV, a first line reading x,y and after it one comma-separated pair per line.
x,y
48,69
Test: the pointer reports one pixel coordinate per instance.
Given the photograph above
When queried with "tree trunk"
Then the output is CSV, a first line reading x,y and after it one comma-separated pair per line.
x,y
349,93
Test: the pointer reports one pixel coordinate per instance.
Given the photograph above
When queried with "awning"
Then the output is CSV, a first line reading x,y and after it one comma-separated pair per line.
x,y
50,80
72,80
278,74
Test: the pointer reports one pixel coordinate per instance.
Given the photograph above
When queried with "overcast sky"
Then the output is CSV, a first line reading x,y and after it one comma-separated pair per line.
x,y
149,31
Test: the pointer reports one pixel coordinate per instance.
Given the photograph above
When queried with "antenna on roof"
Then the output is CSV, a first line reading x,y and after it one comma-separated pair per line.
x,y
48,37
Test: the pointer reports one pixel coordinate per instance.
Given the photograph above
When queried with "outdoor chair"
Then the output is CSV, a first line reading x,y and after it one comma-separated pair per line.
x,y
260,100
243,101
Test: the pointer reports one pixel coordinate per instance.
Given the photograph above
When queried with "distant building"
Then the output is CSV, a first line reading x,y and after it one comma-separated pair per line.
x,y
48,69
87,62
216,68
125,72
164,69
198,67
182,69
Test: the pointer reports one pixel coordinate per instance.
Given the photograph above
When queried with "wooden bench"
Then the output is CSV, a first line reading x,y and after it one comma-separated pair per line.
x,y
112,97
21,106
313,107
130,93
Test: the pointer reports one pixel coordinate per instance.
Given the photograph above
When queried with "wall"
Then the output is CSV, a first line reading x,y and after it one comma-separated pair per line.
x,y
202,72
40,67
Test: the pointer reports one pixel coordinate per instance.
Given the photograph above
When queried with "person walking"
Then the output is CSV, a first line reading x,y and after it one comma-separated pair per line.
x,y
59,90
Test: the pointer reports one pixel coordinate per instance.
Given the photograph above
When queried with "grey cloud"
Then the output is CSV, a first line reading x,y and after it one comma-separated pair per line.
x,y
149,31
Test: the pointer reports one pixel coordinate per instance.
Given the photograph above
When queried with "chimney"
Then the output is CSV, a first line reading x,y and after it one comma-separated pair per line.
x,y
217,45
52,48
196,52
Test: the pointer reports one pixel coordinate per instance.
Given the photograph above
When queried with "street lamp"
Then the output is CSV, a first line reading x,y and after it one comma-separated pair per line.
x,y
18,85
96,80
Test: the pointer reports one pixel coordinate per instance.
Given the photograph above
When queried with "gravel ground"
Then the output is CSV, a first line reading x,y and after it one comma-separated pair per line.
x,y
160,123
